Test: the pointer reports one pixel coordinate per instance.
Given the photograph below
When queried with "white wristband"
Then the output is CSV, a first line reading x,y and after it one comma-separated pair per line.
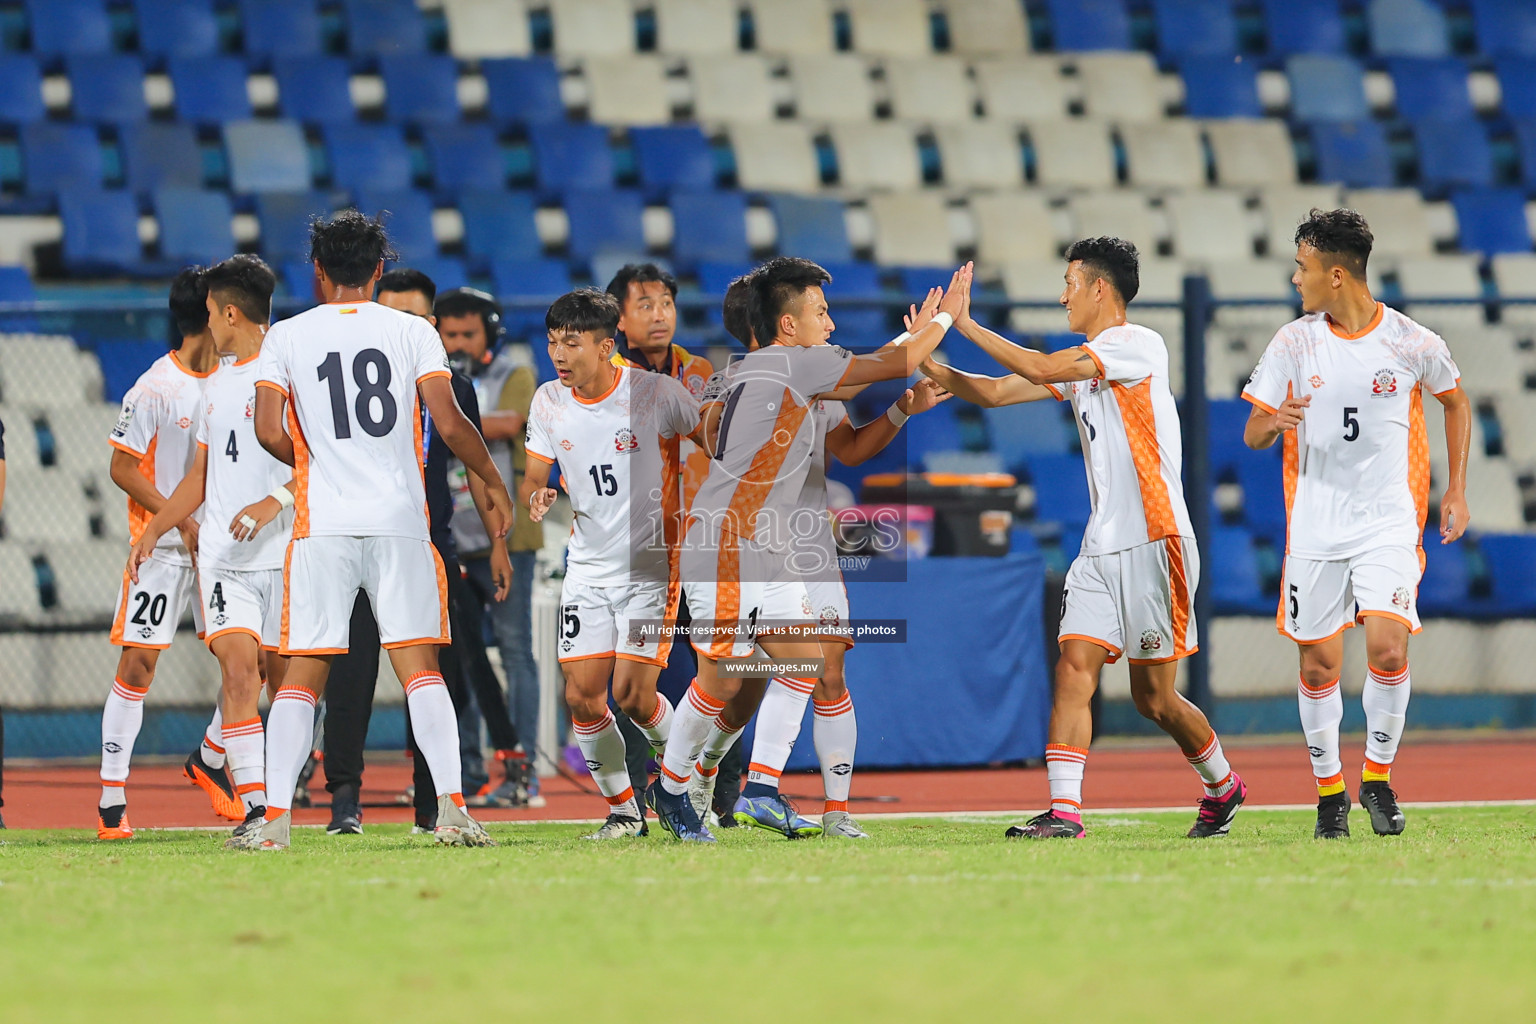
x,y
895,415
283,495
902,338
944,320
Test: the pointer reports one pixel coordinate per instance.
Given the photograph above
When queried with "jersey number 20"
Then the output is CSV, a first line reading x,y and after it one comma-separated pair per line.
x,y
367,390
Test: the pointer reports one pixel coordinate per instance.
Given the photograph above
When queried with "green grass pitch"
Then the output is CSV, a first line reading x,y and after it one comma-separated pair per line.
x,y
933,920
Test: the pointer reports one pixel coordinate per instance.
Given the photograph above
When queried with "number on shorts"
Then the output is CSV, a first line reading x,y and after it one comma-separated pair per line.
x,y
1351,425
570,623
607,480
231,449
367,390
1295,605
216,599
153,606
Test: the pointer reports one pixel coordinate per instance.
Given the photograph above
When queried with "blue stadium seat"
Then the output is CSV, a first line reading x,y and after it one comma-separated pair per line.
x,y
122,362
673,156
157,155
813,227
1517,85
1326,88
1226,419
446,272
1061,488
865,326
69,26
604,221
1443,590
937,430
267,156
1188,27
1525,143
280,28
284,219
21,89
1090,24
106,88
16,285
378,28
715,278
1408,28
1511,560
1453,154
709,225
1020,432
1491,220
1304,26
1233,571
420,88
1505,27
314,89
1355,154
60,158
370,156
1220,87
1264,495
177,28
539,279
194,225
499,226
297,278
409,220
1431,88
523,90
571,156
101,231
963,354
465,156
209,90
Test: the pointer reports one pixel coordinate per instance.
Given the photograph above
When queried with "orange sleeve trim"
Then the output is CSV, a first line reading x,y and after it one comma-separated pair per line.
x,y
1096,360
124,448
1057,392
275,387
1267,408
1453,387
1361,617
433,373
203,445
535,455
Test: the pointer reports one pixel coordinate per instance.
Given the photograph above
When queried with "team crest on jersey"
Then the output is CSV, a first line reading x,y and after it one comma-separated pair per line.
x,y
636,639
250,408
1151,640
696,386
806,608
1385,384
1402,598
625,441
829,616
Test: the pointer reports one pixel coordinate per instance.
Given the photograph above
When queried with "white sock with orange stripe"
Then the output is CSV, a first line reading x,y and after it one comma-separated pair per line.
x,y
435,725
1322,709
836,733
691,723
1064,767
121,717
290,738
717,744
1386,708
659,726
246,744
213,740
603,747
778,724
1210,762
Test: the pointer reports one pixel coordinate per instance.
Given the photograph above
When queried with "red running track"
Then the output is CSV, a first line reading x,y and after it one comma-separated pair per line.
x,y
1495,767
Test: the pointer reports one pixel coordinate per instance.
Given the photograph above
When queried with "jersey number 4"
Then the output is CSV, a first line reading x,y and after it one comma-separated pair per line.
x,y
367,390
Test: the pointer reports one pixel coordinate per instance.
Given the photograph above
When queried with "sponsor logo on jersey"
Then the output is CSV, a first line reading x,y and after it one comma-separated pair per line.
x,y
594,766
842,769
124,420
566,445
220,619
1381,737
184,422
1151,640
1093,386
146,632
625,441
1385,384
1402,598
1315,381
112,747
566,645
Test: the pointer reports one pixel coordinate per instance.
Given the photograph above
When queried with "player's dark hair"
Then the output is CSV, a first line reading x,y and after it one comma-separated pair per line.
x,y
1111,259
472,302
774,287
348,246
189,304
585,309
406,279
245,282
1341,237
734,310
638,273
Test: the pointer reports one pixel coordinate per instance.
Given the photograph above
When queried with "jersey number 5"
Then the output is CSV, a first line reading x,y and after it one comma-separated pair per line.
x,y
378,388
1351,425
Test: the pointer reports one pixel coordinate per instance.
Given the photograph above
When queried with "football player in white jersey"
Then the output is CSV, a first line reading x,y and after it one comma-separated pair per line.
x,y
240,488
616,433
1344,387
1131,588
737,560
349,377
153,444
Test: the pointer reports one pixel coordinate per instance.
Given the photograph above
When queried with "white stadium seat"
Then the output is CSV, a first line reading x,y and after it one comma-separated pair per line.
x,y
89,575
1397,219
792,26
80,438
1162,280
832,88
487,28
890,28
1443,277
1022,89
1120,87
1517,415
1164,154
593,28
1488,360
694,27
45,505
1013,227
911,229
44,371
929,89
776,157
1268,279
1287,206
627,90
1119,213
1036,281
981,154
1209,225
880,154
1075,153
1252,151
731,88
1515,275
1493,496
19,595
986,26
21,450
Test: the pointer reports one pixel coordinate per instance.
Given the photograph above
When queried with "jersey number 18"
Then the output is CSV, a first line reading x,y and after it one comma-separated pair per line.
x,y
367,390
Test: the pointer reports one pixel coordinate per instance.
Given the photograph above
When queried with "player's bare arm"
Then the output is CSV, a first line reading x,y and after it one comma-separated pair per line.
x,y
461,437
1454,514
916,318
178,508
248,522
895,361
708,432
854,446
535,494
501,562
268,423
980,389
1265,427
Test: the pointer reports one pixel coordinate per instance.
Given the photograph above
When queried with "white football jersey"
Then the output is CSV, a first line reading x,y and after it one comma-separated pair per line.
x,y
618,455
240,471
1357,466
767,439
158,426
1132,446
349,371
815,545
